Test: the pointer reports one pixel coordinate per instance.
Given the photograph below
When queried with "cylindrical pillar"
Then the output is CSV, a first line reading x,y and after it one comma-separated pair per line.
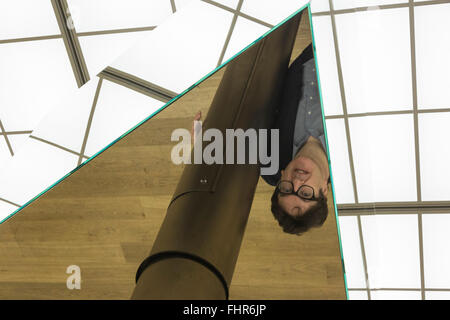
x,y
196,249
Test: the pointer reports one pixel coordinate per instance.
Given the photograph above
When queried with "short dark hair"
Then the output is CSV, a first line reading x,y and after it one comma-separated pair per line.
x,y
314,217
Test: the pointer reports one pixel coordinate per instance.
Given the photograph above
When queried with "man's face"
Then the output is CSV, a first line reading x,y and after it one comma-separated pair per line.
x,y
302,171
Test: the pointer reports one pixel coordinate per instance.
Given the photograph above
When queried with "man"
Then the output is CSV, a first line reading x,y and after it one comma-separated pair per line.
x,y
299,201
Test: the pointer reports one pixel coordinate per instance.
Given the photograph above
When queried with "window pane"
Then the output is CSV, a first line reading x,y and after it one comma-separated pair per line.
x,y
384,158
432,28
326,60
340,165
271,11
180,4
320,5
345,4
118,110
437,295
66,124
436,255
244,33
5,154
391,244
373,79
100,50
229,3
181,52
6,209
357,295
48,166
395,295
351,247
434,132
27,18
100,15
36,75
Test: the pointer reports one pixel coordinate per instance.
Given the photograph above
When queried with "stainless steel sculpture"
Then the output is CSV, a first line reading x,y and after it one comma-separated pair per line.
x,y
195,252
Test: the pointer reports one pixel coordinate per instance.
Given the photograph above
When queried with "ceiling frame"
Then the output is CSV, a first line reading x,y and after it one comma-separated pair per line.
x,y
137,84
71,42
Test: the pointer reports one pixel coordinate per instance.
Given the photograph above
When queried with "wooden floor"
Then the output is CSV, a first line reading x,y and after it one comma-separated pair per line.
x,y
104,218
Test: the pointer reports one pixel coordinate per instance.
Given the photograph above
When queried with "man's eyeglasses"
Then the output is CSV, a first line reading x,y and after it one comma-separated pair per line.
x,y
305,192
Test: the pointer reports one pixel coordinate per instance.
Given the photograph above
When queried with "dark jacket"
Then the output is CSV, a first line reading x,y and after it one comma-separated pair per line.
x,y
287,112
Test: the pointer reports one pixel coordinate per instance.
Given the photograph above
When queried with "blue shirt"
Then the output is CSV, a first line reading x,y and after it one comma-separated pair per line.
x,y
299,114
309,113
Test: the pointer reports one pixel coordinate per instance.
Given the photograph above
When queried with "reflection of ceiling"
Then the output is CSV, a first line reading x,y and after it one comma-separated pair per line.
x,y
169,61
387,76
47,49
384,73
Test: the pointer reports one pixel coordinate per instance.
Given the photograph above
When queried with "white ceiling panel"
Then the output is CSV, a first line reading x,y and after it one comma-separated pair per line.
x,y
118,110
66,124
392,250
436,237
47,166
271,11
434,132
100,50
384,158
17,141
340,165
395,295
437,295
326,60
432,27
229,3
357,295
6,209
187,49
351,247
376,65
35,76
27,18
180,4
5,154
99,15
245,32
347,4
320,5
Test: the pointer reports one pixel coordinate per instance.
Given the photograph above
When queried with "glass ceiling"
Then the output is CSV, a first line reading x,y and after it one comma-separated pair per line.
x,y
384,76
384,94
